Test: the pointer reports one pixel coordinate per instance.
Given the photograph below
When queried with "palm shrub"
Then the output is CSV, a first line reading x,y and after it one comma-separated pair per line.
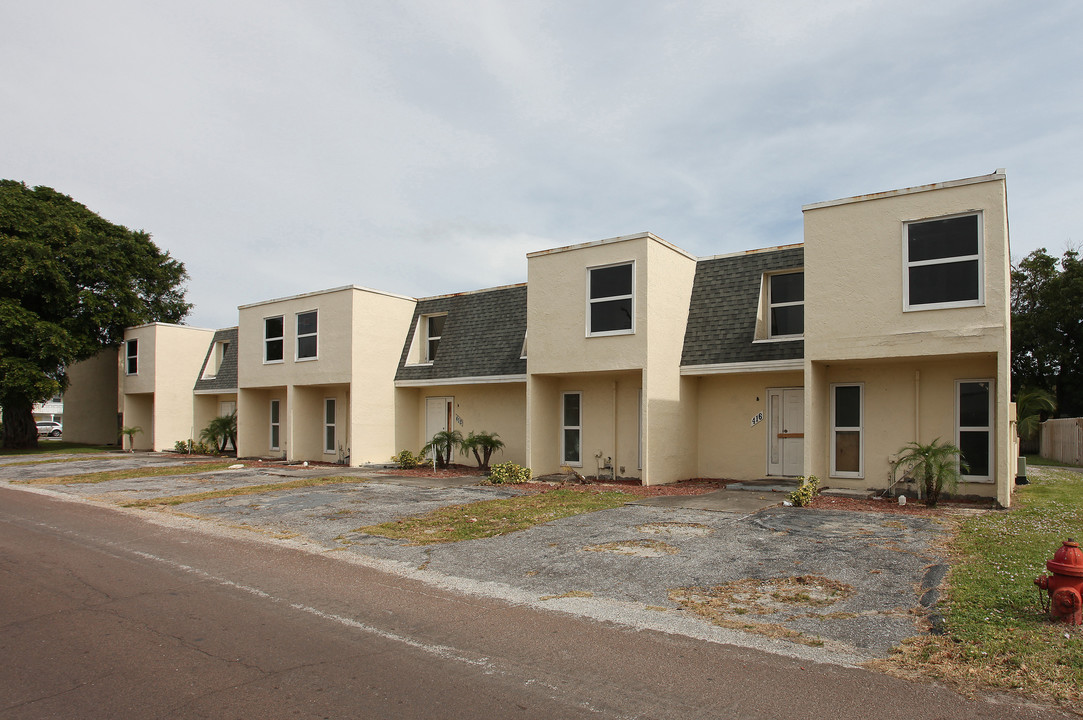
x,y
936,466
482,444
221,431
442,446
130,432
1030,405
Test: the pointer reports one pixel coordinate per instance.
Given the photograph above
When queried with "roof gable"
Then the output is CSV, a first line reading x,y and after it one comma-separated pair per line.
x,y
226,377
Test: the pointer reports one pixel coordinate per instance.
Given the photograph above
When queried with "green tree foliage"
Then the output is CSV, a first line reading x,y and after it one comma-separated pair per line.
x,y
482,444
1047,327
1031,405
221,432
70,282
442,446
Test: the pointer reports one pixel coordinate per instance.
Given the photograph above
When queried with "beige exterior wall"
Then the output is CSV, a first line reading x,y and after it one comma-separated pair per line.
x,y
560,346
730,446
359,339
206,407
92,400
856,326
254,422
489,407
170,358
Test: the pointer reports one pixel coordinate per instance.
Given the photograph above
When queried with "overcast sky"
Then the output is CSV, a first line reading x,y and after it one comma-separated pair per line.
x,y
425,147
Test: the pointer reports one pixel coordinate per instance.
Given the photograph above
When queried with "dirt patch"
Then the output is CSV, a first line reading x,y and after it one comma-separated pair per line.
x,y
637,548
632,487
676,529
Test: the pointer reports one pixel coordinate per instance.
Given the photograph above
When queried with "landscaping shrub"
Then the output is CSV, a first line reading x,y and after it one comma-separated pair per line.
x,y
806,490
508,473
406,460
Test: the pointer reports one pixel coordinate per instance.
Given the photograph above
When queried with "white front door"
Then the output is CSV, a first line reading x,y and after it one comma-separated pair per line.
x,y
437,416
785,431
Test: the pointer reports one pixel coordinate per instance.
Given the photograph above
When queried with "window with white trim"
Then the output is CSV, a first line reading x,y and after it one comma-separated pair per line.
x,y
847,430
307,326
974,427
943,263
611,299
434,331
329,425
272,339
786,304
571,430
131,357
276,425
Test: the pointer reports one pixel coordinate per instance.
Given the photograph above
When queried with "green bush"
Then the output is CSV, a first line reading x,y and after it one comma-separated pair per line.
x,y
195,448
508,473
806,490
182,446
406,460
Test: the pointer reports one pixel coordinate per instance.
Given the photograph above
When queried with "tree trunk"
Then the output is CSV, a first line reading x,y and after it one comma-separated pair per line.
x,y
20,430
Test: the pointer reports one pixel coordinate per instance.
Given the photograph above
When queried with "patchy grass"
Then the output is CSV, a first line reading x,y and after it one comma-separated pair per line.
x,y
997,634
244,490
569,594
638,548
494,517
1038,460
59,447
53,461
129,474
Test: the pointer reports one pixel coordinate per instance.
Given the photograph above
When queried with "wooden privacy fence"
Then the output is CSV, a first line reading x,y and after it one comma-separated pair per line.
x,y
1062,440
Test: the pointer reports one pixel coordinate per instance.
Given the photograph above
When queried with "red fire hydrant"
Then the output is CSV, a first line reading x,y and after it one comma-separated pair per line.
x,y
1065,585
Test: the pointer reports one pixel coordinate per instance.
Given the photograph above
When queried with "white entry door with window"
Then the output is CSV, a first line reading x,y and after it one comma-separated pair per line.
x,y
785,431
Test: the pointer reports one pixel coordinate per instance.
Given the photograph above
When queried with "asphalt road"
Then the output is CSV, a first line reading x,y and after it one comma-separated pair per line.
x,y
103,615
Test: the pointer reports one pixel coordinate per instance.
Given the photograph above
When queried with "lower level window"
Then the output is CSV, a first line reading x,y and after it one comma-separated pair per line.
x,y
571,429
847,447
276,425
974,427
329,442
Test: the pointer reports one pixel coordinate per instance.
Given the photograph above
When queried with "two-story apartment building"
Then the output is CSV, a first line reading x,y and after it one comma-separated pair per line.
x,y
631,357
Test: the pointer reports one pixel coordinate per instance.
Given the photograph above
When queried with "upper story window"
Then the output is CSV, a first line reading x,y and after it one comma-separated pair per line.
x,y
611,299
307,326
272,339
434,330
786,304
214,362
943,263
131,357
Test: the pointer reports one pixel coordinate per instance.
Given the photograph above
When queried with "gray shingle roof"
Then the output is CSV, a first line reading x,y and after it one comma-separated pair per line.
x,y
722,312
226,379
482,336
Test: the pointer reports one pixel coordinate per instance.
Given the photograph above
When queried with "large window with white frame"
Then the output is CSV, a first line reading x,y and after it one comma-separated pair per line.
x,y
974,427
943,263
131,357
786,304
611,299
272,339
329,426
847,430
571,430
307,329
276,425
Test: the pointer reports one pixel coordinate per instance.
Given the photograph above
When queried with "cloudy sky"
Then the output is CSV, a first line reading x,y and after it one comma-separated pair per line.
x,y
424,147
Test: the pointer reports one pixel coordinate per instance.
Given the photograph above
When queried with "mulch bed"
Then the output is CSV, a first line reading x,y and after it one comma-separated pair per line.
x,y
631,487
912,507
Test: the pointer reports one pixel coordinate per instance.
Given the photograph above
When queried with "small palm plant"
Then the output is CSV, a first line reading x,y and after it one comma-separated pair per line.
x,y
221,432
442,446
129,432
936,466
482,444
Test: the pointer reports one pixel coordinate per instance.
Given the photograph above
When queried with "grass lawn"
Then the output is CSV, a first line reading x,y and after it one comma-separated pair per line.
x,y
243,490
107,475
59,447
495,517
1038,460
998,636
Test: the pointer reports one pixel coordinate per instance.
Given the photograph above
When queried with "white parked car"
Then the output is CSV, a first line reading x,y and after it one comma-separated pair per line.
x,y
50,428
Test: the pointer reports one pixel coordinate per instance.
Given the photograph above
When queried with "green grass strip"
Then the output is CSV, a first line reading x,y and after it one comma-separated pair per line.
x,y
495,517
50,447
244,490
998,634
20,463
107,475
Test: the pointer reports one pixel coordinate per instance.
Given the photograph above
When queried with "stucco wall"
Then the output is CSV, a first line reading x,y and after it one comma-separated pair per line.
x,y
254,422
91,402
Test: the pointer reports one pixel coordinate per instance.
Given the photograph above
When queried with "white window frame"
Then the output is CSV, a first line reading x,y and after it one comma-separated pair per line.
x,y
987,429
297,345
427,339
609,298
129,356
275,405
771,304
214,360
860,429
280,338
332,405
979,256
578,428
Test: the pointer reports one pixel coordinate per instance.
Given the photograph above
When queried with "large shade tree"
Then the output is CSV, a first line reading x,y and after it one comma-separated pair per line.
x,y
70,282
1047,327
